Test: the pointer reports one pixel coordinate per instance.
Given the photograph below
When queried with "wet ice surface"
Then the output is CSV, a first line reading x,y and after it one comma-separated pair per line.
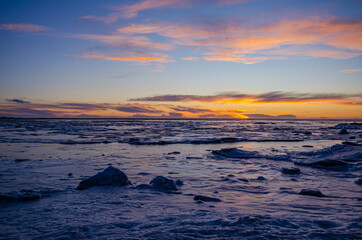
x,y
258,199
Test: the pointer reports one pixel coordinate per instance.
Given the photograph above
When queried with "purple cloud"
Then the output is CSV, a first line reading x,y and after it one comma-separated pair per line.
x,y
15,100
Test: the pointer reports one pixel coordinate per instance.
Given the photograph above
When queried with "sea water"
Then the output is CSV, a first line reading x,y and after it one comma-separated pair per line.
x,y
258,199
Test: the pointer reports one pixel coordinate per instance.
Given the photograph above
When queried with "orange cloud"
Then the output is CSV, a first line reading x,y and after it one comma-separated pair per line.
x,y
207,108
311,36
269,97
139,59
350,70
20,108
24,27
190,58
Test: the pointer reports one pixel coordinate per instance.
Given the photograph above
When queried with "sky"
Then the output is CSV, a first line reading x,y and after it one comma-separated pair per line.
x,y
173,59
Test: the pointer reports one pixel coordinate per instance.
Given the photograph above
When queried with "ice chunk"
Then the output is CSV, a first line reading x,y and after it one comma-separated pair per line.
x,y
348,126
338,157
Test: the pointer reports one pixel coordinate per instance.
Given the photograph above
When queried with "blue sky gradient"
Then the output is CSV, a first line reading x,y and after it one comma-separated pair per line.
x,y
107,52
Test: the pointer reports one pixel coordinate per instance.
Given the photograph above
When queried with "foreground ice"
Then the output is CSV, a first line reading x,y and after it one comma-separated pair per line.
x,y
340,157
225,189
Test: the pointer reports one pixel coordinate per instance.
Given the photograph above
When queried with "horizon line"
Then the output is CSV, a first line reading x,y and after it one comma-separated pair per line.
x,y
203,119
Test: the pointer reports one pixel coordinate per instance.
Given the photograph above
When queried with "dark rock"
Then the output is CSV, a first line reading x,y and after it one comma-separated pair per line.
x,y
307,146
307,133
163,183
22,196
68,142
352,137
311,192
348,126
326,224
290,170
327,164
179,182
225,179
21,160
206,199
70,174
243,179
109,177
143,186
261,178
236,153
351,144
359,181
230,140
343,131
134,141
171,153
193,157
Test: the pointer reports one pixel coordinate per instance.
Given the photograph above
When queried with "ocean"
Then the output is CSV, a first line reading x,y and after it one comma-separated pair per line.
x,y
265,179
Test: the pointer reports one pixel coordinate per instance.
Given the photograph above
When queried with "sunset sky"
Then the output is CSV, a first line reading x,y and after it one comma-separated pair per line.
x,y
181,58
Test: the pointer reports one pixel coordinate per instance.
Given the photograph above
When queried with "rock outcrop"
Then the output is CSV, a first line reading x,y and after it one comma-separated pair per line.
x,y
236,153
109,177
206,199
311,192
290,170
163,183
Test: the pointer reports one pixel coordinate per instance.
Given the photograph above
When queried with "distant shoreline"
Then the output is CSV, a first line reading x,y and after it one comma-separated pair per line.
x,y
192,119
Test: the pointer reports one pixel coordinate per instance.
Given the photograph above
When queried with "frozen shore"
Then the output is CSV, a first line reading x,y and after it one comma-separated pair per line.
x,y
229,180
